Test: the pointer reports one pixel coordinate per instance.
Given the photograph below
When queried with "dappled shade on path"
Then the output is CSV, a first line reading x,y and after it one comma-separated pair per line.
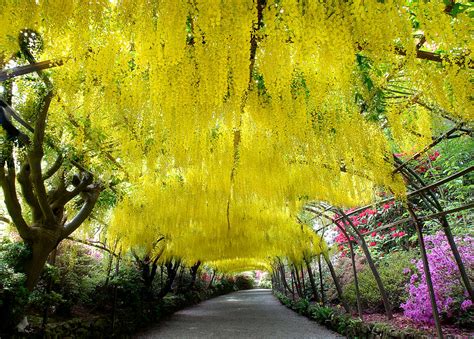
x,y
244,314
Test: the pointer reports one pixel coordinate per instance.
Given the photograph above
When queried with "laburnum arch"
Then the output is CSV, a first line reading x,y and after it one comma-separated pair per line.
x,y
226,117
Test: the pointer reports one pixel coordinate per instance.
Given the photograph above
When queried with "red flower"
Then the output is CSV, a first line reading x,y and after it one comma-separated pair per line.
x,y
373,234
372,243
393,228
434,156
386,206
379,224
401,234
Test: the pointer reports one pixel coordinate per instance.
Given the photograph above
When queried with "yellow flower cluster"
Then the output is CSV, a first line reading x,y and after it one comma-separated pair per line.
x,y
163,87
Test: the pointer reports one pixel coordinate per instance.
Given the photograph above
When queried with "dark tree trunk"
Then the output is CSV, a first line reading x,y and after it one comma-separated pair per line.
x,y
194,271
314,289
321,283
296,278
42,245
302,278
285,283
378,280
336,282
354,270
172,270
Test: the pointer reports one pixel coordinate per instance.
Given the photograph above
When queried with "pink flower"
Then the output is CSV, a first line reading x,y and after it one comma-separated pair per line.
x,y
434,156
466,304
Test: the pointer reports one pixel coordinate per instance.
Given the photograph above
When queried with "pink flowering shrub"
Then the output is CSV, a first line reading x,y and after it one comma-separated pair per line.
x,y
368,222
449,293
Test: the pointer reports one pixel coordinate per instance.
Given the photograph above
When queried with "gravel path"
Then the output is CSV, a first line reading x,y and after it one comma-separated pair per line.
x,y
244,314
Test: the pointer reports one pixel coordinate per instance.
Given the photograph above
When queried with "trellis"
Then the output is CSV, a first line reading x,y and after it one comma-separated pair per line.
x,y
426,192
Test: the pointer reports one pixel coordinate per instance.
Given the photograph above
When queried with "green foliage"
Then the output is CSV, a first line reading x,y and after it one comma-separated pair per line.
x,y
301,306
128,285
13,294
392,270
320,313
43,296
79,275
244,282
14,254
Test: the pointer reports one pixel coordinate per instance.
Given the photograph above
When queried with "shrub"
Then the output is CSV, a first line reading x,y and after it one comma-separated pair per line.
x,y
301,306
79,274
320,313
13,294
451,302
393,272
244,282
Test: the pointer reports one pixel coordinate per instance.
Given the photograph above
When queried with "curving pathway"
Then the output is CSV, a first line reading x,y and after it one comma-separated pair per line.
x,y
244,314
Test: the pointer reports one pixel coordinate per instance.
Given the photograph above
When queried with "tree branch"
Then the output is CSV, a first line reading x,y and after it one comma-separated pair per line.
x,y
90,199
67,196
27,69
35,156
93,244
461,60
7,181
27,191
54,167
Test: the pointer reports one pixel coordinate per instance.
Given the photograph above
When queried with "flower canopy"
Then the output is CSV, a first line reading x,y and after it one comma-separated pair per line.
x,y
226,116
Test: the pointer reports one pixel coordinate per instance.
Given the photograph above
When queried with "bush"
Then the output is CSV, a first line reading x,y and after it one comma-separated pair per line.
x,y
393,272
244,282
320,313
13,294
301,306
79,274
451,302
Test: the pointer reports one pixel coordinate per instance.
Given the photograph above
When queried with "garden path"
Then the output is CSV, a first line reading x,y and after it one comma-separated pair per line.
x,y
243,314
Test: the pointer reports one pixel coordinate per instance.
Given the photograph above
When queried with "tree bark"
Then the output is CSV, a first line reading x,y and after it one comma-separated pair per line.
x,y
311,280
354,270
336,282
378,280
44,242
194,271
321,283
172,270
